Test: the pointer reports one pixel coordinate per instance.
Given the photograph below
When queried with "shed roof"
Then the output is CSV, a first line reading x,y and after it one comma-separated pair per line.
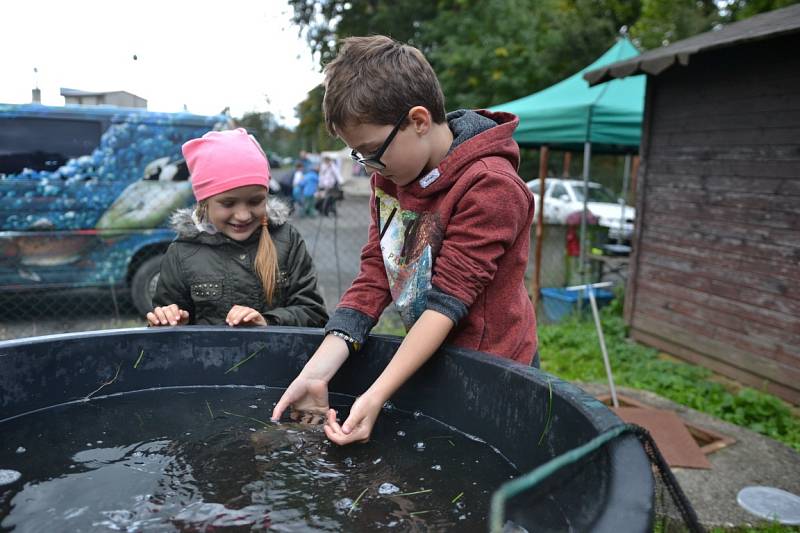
x,y
775,23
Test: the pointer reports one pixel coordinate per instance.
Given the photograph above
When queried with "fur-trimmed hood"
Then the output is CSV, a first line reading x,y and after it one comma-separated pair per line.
x,y
187,226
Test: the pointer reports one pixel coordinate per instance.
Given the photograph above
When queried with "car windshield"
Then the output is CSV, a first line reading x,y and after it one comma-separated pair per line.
x,y
597,193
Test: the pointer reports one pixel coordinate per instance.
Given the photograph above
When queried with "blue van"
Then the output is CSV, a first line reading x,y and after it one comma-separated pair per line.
x,y
86,194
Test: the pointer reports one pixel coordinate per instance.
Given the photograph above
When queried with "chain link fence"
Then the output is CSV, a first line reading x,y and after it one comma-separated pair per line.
x,y
85,200
334,242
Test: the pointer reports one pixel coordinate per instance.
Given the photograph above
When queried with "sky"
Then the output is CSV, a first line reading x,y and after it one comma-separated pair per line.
x,y
242,54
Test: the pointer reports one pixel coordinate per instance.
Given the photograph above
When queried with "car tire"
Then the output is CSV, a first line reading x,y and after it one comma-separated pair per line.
x,y
143,284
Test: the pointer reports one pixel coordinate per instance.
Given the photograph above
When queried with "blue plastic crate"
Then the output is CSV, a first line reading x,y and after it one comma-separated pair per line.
x,y
560,303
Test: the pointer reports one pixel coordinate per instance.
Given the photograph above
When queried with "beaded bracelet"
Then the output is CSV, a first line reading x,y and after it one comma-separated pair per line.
x,y
352,344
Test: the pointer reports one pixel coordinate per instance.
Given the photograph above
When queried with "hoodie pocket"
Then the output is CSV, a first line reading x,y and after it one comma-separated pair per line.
x,y
207,291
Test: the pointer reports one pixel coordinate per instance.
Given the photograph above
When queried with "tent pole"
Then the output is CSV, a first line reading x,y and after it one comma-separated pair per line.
x,y
567,163
544,154
587,154
625,175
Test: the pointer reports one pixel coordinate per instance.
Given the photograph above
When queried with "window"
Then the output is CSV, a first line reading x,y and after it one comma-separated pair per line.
x,y
558,191
44,143
597,193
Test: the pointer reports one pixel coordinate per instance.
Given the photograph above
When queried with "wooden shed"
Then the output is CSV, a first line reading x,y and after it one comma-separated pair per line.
x,y
715,270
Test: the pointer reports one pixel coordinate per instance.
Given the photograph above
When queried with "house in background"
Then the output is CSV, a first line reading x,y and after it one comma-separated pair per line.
x,y
115,98
715,271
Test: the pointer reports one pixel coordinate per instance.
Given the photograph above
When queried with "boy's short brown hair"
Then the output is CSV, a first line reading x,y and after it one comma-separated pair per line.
x,y
375,79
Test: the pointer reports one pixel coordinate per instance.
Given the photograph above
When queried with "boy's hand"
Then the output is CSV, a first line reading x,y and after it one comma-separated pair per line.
x,y
245,316
305,396
358,426
169,315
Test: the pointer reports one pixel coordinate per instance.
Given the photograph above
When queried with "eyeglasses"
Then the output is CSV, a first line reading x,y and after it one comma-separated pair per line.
x,y
374,160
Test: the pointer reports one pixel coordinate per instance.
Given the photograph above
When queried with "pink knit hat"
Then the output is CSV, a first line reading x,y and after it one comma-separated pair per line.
x,y
223,160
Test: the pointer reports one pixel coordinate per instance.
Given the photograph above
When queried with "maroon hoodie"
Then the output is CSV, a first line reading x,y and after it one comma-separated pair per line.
x,y
456,241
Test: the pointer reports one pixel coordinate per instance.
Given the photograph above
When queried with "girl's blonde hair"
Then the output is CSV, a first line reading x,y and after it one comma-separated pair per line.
x,y
266,261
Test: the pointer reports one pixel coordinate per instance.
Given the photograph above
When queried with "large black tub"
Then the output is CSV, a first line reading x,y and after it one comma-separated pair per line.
x,y
506,405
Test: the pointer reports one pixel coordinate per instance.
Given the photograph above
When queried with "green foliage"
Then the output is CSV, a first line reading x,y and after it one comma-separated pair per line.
x,y
311,131
570,350
485,53
666,21
273,137
742,9
325,21
490,52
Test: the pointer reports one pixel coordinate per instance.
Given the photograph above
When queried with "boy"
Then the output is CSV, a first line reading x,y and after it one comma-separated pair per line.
x,y
449,236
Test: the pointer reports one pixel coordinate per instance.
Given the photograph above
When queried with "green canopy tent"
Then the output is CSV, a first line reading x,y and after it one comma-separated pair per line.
x,y
606,118
570,113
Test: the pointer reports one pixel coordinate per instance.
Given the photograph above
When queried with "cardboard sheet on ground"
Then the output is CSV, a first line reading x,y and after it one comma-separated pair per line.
x,y
668,430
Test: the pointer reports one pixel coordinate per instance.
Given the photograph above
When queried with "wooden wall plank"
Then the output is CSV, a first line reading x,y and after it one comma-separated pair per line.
x,y
709,283
687,354
728,167
691,205
789,238
754,349
735,326
684,337
686,119
777,274
721,183
738,248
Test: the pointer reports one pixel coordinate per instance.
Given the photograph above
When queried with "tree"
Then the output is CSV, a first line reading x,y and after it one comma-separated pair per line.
x,y
274,138
493,51
311,132
483,52
742,9
499,50
666,21
324,22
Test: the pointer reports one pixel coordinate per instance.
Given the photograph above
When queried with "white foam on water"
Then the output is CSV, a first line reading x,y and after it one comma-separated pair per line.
x,y
8,477
388,488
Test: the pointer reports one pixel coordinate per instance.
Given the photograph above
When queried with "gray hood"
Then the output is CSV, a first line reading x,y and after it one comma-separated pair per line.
x,y
466,124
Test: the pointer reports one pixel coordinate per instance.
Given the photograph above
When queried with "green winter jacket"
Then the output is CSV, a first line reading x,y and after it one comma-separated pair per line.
x,y
206,273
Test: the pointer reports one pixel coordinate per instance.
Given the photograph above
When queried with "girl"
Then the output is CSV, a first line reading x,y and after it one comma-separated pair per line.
x,y
235,260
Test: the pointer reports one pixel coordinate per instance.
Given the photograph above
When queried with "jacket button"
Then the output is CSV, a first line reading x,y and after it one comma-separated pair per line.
x,y
242,257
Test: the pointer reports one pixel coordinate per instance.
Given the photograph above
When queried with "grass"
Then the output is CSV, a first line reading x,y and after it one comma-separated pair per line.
x,y
570,351
243,361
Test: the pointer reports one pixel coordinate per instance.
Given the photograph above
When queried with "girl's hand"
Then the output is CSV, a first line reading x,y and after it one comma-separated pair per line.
x,y
306,396
169,315
358,426
245,316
